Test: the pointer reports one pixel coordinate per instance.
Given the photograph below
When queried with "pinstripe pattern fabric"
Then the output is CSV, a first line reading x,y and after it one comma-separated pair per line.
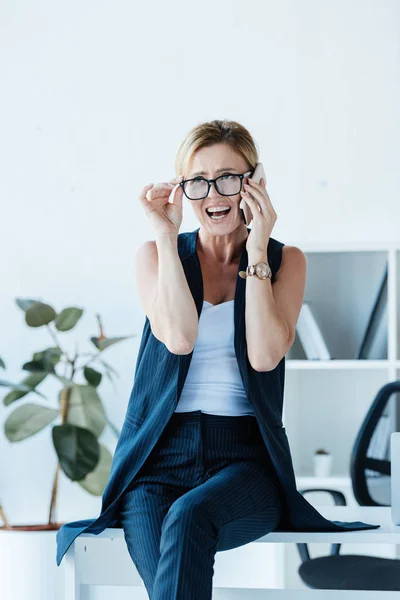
x,y
208,485
158,382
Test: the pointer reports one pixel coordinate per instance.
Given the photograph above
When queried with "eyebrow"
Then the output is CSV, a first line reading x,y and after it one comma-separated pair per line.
x,y
217,171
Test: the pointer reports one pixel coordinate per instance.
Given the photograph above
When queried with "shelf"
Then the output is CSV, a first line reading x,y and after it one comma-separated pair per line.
x,y
300,364
324,408
362,246
332,481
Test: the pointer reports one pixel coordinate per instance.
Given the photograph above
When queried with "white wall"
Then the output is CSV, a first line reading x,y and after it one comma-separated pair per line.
x,y
96,97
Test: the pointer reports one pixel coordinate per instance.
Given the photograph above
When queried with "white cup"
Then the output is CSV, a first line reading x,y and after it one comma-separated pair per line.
x,y
322,465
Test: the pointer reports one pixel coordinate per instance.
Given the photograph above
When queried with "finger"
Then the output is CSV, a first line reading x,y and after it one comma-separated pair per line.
x,y
175,180
167,186
260,194
172,182
254,193
160,192
144,190
256,184
253,185
176,195
142,195
255,208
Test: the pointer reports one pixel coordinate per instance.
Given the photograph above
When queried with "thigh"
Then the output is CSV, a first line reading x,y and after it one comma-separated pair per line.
x,y
142,510
242,500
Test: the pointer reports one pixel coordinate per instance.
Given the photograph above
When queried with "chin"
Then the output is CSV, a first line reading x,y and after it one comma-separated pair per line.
x,y
219,229
229,225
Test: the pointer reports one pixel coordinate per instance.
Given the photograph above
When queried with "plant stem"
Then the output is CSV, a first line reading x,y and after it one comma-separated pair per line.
x,y
65,396
5,520
53,335
54,494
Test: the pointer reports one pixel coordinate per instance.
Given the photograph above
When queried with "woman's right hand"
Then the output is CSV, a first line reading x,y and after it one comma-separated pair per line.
x,y
165,216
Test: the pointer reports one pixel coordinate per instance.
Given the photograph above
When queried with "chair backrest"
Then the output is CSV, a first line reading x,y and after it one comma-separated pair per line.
x,y
370,465
395,477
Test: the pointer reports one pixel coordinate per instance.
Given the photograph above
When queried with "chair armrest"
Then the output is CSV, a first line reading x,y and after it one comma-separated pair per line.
x,y
340,500
338,497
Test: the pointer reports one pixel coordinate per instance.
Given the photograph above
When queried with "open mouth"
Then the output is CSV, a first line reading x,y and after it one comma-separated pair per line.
x,y
218,215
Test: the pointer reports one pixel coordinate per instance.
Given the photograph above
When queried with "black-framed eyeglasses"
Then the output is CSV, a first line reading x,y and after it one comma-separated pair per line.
x,y
228,184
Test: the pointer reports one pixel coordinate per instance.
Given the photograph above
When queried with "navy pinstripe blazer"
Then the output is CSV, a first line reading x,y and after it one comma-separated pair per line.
x,y
158,382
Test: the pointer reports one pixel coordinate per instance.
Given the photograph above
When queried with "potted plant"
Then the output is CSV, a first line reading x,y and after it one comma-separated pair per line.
x,y
77,422
322,463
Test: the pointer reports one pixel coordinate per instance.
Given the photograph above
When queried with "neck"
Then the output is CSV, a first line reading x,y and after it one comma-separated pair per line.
x,y
222,249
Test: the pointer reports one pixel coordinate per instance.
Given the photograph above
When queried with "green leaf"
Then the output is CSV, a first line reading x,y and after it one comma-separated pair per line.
x,y
95,481
44,361
50,356
38,366
15,386
86,409
27,420
25,303
2,363
92,376
28,384
68,318
39,314
77,449
106,342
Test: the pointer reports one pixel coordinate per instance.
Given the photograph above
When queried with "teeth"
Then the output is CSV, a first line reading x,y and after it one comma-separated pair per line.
x,y
217,208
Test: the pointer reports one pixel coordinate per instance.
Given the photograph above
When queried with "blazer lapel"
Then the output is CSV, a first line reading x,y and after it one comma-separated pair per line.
x,y
239,321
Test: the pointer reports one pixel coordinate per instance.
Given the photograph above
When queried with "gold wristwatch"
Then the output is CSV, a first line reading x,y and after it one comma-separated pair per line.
x,y
262,270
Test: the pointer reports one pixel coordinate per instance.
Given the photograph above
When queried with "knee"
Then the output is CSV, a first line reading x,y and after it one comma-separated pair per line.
x,y
186,512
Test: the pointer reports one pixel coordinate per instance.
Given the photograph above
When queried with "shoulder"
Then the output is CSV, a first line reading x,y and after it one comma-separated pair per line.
x,y
293,261
293,253
146,250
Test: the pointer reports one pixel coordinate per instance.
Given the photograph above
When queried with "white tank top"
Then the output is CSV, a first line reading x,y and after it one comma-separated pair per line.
x,y
213,383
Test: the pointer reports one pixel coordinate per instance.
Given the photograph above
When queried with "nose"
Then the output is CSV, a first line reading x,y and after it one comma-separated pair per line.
x,y
213,191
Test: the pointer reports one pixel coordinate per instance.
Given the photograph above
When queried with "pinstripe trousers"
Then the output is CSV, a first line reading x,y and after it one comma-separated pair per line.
x,y
207,486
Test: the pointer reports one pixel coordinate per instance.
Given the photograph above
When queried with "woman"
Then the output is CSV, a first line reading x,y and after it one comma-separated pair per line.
x,y
208,484
203,462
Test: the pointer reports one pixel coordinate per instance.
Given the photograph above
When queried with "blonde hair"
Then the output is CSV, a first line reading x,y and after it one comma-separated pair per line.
x,y
215,132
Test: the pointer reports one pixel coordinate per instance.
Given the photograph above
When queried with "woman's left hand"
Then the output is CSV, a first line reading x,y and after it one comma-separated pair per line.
x,y
264,219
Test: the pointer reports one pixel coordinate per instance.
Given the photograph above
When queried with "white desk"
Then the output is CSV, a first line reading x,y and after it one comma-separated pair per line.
x,y
103,559
387,533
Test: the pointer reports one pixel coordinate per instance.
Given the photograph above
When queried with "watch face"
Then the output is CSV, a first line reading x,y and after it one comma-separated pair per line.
x,y
262,270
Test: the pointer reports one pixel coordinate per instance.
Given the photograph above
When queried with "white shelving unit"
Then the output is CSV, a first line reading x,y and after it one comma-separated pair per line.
x,y
326,401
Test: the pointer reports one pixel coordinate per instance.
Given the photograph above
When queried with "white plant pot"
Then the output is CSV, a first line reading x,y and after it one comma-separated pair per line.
x,y
28,566
322,465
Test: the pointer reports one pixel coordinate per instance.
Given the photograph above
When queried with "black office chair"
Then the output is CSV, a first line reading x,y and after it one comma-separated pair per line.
x,y
369,462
